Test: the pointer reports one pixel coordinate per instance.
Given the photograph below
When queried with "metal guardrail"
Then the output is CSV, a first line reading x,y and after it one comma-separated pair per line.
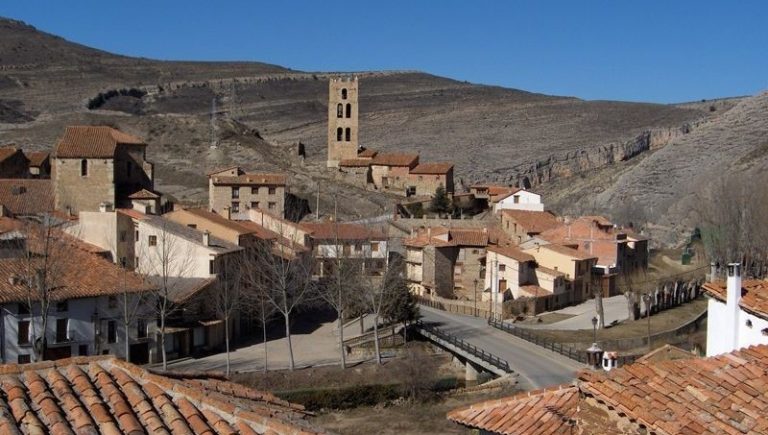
x,y
565,350
466,347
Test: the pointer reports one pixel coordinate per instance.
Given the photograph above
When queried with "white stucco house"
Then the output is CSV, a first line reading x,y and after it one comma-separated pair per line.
x,y
519,199
737,312
348,241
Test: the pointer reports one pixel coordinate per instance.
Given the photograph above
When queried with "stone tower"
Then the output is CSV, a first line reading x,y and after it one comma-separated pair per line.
x,y
342,120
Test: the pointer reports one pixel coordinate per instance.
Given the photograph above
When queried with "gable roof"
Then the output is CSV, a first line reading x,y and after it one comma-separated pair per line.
x,y
143,194
560,249
88,141
432,168
26,196
367,153
754,295
533,222
106,395
396,159
721,394
511,252
7,152
355,163
37,158
187,233
343,231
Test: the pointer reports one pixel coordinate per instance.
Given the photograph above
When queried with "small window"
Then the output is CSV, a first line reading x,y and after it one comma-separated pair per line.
x,y
235,192
516,199
348,134
211,267
111,331
272,205
339,133
152,240
255,204
62,307
374,246
272,190
62,334
349,110
344,93
340,111
24,359
136,261
23,332
235,207
22,309
193,226
112,302
502,267
84,168
141,328
255,190
136,236
123,236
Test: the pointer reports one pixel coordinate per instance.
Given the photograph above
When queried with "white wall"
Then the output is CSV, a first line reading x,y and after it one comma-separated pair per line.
x,y
718,329
185,258
526,201
327,249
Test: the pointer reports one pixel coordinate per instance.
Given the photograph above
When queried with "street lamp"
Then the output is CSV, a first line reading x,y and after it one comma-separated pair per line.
x,y
475,282
594,329
647,299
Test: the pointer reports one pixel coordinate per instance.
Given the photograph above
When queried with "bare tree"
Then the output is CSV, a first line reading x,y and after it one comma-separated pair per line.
x,y
254,291
377,291
228,297
597,292
131,304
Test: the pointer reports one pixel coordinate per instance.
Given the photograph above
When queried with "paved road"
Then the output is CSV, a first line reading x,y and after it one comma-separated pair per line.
x,y
614,307
536,366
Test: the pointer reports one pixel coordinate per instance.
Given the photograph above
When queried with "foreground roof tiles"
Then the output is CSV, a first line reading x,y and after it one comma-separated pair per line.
x,y
754,295
723,394
92,142
532,222
92,395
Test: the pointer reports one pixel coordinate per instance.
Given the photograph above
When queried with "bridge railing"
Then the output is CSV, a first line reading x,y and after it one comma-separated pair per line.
x,y
562,349
466,347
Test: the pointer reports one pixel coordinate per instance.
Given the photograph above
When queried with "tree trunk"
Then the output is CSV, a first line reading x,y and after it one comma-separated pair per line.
x,y
226,340
264,337
362,327
599,309
162,342
376,338
342,353
127,343
405,332
291,365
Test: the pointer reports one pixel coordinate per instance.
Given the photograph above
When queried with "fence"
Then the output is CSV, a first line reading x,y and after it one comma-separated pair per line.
x,y
388,336
464,346
562,349
467,308
524,305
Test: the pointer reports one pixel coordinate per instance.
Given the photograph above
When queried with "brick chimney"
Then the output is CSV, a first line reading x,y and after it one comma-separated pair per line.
x,y
732,298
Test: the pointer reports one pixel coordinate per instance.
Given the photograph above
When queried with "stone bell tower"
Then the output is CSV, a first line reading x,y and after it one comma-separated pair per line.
x,y
342,120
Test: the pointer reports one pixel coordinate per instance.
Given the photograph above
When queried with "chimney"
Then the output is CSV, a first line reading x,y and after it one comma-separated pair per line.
x,y
105,207
732,298
712,271
206,238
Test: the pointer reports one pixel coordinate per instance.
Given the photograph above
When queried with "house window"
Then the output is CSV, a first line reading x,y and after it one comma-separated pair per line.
x,y
358,247
123,235
22,309
211,267
235,192
255,190
272,205
111,331
193,226
24,359
374,246
502,267
344,94
272,190
349,110
136,236
340,110
339,133
112,302
83,168
516,199
61,330
62,306
141,328
255,204
348,134
23,336
152,240
235,207
347,250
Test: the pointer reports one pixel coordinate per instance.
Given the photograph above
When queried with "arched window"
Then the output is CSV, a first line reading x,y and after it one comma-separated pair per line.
x,y
83,168
344,94
340,111
348,134
339,132
349,110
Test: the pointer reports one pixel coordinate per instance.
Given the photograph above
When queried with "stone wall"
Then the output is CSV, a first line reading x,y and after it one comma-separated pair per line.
x,y
83,192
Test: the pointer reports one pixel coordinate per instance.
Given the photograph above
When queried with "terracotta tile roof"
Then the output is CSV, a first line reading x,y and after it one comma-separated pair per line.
x,y
355,163
26,196
468,236
37,158
533,290
135,214
551,411
754,295
443,237
548,271
432,168
511,252
212,217
343,231
250,179
143,194
182,289
7,152
497,193
396,159
722,394
560,249
87,141
532,222
367,153
92,395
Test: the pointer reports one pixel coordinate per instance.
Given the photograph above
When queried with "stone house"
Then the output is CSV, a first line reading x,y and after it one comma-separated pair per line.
x,y
425,178
93,165
332,241
737,312
13,163
85,317
576,266
39,164
510,273
523,225
218,226
390,171
232,192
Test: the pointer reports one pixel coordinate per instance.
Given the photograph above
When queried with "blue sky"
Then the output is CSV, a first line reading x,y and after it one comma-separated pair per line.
x,y
659,51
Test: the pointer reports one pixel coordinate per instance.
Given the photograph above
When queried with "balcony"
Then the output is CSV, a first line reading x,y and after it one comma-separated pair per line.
x,y
64,337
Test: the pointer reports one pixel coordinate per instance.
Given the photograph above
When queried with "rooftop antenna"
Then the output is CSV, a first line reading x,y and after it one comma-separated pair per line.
x,y
214,135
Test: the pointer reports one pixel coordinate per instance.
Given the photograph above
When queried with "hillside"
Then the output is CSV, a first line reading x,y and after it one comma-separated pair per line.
x,y
491,133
